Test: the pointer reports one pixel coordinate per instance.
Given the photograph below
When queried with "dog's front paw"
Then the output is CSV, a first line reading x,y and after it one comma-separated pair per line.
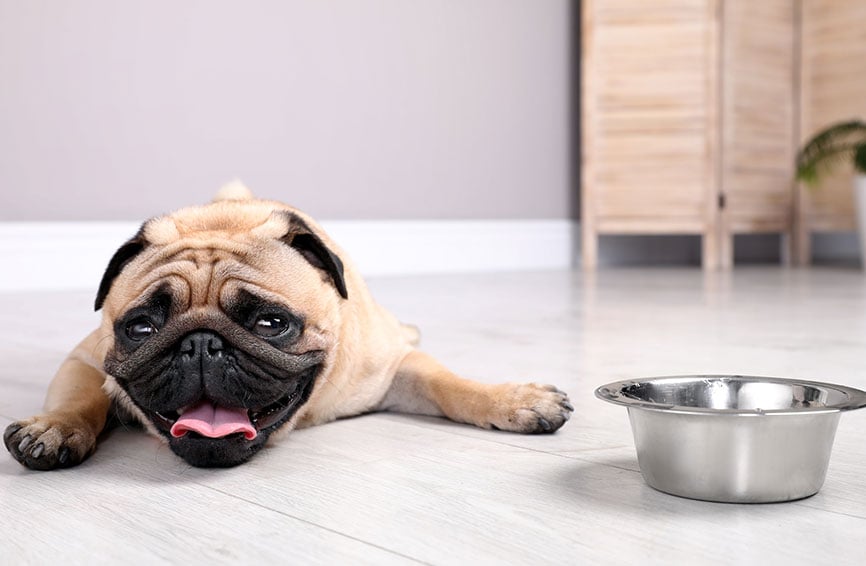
x,y
529,408
50,441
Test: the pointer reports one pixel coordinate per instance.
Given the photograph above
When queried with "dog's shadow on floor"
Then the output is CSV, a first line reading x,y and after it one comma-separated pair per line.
x,y
120,455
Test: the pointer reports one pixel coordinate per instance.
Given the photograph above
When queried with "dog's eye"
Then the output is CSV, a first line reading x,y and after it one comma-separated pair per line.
x,y
140,328
271,325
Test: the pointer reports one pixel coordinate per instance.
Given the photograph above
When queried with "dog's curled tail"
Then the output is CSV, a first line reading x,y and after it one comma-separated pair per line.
x,y
234,190
411,333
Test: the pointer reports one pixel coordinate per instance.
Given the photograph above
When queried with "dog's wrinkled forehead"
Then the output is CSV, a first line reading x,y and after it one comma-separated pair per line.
x,y
217,220
196,253
201,248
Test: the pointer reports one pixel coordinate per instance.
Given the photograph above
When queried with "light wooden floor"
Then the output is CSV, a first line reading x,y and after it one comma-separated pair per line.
x,y
400,489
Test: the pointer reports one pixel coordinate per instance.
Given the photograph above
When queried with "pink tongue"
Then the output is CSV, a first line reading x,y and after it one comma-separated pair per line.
x,y
209,420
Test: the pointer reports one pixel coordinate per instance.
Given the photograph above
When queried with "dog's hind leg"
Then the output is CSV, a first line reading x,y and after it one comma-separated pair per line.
x,y
423,386
76,409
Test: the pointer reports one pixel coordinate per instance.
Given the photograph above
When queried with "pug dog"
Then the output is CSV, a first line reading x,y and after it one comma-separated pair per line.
x,y
225,323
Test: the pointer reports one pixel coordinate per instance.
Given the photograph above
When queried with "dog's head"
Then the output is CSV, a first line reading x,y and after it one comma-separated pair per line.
x,y
222,318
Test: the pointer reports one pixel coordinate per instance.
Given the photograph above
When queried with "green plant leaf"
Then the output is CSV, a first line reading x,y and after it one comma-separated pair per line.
x,y
835,144
860,159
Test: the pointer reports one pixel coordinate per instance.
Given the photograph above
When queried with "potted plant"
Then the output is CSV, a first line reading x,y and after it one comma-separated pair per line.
x,y
845,141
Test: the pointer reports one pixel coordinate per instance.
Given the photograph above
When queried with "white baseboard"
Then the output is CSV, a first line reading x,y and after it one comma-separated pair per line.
x,y
73,255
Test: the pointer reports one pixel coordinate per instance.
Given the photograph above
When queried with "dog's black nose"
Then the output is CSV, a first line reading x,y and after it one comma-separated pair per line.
x,y
204,344
202,355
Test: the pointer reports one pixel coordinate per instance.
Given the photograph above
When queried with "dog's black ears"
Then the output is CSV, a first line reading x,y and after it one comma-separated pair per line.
x,y
298,236
302,238
118,261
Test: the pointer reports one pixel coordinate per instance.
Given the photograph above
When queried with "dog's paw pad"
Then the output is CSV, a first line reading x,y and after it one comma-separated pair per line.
x,y
530,408
47,442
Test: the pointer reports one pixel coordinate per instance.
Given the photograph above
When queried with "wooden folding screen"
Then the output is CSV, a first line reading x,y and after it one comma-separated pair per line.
x,y
688,114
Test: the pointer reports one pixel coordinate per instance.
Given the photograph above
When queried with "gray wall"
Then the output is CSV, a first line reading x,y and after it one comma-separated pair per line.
x,y
349,109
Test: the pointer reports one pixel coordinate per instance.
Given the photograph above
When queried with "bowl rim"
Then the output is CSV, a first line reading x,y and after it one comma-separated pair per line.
x,y
612,393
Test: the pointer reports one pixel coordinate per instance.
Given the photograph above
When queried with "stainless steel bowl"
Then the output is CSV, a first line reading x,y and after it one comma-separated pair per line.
x,y
733,438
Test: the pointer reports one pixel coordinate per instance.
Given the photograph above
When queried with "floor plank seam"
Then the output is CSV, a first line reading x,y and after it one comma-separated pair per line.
x,y
842,513
313,524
